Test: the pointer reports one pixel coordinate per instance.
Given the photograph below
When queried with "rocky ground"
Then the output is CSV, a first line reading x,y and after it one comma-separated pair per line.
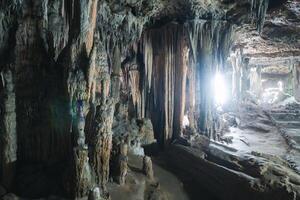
x,y
165,186
221,170
287,119
267,129
256,132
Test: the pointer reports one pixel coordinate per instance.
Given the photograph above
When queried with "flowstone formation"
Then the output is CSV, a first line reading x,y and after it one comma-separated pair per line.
x,y
88,89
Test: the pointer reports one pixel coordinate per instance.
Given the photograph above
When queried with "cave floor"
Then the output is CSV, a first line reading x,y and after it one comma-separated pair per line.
x,y
246,141
138,187
287,120
266,131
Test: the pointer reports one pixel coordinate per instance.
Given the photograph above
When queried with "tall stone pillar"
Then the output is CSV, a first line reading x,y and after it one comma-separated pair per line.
x,y
8,134
296,80
255,81
102,135
245,82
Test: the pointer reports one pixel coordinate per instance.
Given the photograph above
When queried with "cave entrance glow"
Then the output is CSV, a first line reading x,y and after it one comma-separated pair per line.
x,y
220,89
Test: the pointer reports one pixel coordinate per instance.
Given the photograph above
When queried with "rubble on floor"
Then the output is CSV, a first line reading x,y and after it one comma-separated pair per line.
x,y
221,169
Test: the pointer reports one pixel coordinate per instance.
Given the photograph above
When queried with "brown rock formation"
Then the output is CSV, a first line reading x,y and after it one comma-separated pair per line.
x,y
147,167
122,163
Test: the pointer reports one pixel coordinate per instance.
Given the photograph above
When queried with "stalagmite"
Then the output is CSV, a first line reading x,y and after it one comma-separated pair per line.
x,y
147,167
8,137
83,176
122,163
101,138
94,194
101,141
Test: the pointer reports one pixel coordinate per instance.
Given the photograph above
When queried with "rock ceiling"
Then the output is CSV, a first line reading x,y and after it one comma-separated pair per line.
x,y
279,41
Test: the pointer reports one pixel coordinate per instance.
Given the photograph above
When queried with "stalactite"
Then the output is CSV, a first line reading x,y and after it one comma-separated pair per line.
x,y
162,80
119,28
134,83
296,72
236,61
58,25
180,87
148,59
191,92
164,75
258,12
83,175
212,43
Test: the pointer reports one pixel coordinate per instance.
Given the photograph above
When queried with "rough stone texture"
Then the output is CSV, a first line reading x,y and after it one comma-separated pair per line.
x,y
94,194
102,144
278,44
122,163
83,179
147,167
8,137
257,176
65,65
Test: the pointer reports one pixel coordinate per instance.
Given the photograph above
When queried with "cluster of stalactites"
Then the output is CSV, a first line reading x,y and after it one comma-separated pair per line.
x,y
173,54
123,28
258,12
154,84
210,42
210,37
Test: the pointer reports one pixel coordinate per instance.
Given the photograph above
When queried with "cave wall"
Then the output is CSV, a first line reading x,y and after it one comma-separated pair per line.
x,y
62,64
46,75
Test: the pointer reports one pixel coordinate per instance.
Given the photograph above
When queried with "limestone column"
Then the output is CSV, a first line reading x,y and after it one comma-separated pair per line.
x,y
102,135
296,80
8,134
245,83
122,163
180,87
147,167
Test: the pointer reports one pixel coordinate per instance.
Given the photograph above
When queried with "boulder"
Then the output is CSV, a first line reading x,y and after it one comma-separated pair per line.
x,y
95,194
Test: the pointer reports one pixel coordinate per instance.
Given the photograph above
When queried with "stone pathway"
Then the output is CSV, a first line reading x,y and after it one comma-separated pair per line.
x,y
269,130
256,133
288,120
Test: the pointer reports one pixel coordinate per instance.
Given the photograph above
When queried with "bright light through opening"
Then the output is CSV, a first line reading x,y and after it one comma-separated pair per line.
x,y
220,90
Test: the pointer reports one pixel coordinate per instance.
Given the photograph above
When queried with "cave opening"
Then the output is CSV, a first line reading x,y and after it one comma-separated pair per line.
x,y
150,99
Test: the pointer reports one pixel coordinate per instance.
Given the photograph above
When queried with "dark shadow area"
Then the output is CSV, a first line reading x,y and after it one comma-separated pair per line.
x,y
276,3
39,180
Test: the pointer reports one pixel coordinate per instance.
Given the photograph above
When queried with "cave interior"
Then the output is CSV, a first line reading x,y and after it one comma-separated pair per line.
x,y
150,99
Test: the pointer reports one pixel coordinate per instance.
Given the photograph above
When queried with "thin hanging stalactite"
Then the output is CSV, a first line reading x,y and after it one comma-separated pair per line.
x,y
210,44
